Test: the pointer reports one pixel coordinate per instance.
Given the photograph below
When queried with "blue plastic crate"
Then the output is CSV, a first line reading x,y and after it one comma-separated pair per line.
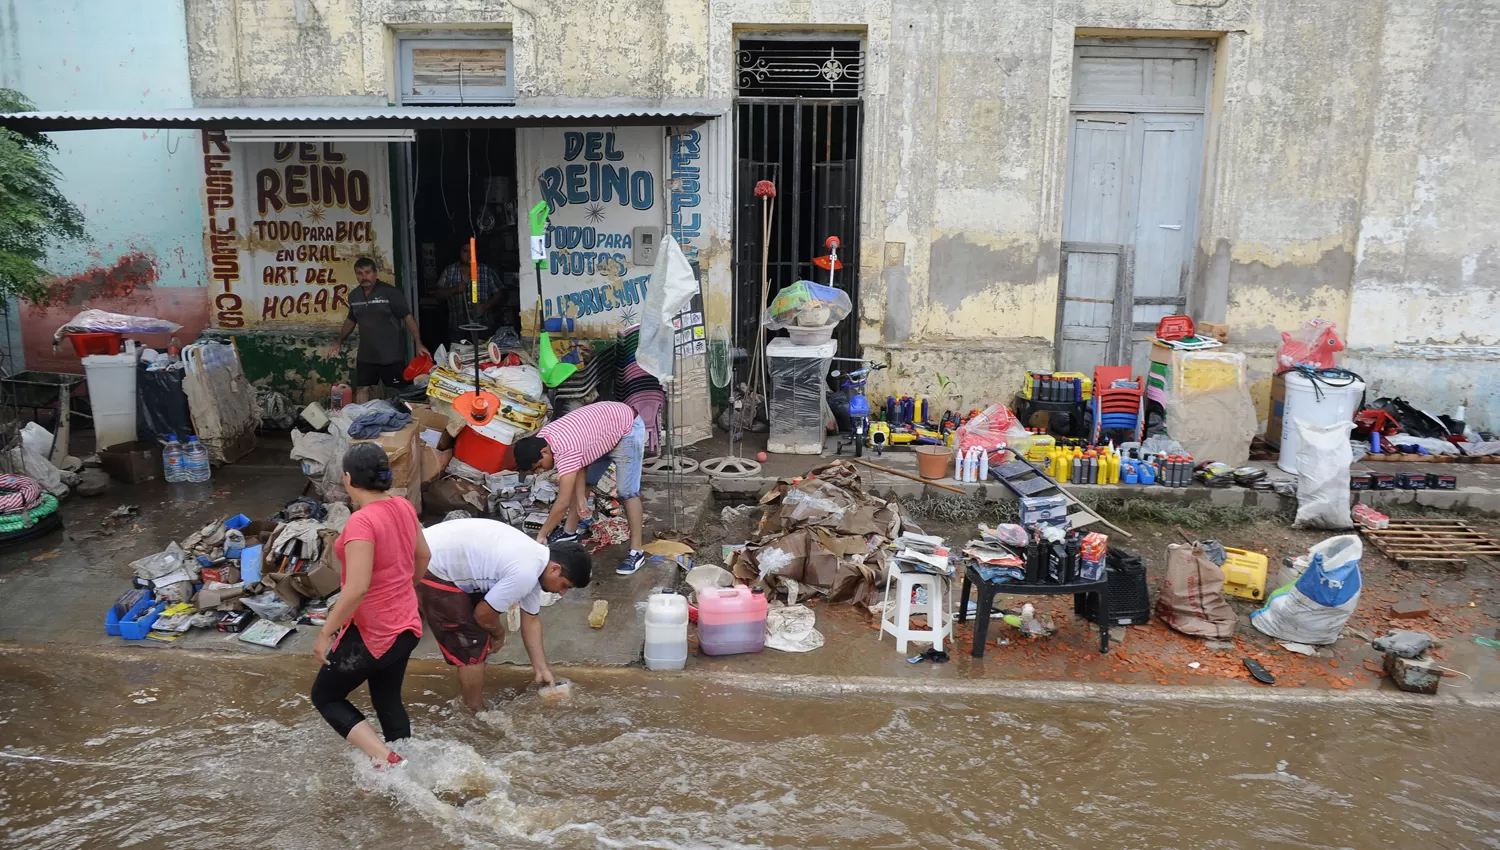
x,y
112,619
138,622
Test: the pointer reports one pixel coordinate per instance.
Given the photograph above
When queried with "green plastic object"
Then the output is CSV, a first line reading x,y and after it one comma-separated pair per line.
x,y
538,216
26,519
553,371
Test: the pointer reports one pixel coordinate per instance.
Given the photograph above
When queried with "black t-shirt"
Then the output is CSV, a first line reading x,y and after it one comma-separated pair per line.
x,y
379,314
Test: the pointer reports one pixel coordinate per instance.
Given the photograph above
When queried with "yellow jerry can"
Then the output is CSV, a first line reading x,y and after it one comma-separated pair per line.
x,y
1245,574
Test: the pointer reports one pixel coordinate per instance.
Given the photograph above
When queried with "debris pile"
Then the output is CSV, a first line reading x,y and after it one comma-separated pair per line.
x,y
821,533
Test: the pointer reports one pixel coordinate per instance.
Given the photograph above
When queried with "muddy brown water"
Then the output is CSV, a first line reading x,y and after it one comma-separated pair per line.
x,y
139,749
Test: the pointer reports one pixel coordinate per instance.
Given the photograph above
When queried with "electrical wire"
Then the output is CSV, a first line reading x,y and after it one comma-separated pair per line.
x,y
443,175
469,181
1334,378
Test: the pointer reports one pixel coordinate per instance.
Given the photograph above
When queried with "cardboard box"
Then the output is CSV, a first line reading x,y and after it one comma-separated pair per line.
x,y
1277,419
1217,330
431,420
132,463
281,583
226,574
213,597
320,582
406,461
433,463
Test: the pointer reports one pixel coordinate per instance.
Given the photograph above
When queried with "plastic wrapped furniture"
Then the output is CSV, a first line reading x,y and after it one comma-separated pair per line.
x,y
223,404
798,377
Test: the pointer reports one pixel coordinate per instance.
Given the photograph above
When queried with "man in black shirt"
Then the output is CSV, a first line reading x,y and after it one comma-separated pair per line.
x,y
378,310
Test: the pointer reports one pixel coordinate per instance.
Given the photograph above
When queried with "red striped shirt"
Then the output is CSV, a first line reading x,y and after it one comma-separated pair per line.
x,y
587,434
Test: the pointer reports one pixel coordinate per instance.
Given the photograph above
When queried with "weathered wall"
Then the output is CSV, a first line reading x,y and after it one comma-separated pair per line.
x,y
1350,169
137,190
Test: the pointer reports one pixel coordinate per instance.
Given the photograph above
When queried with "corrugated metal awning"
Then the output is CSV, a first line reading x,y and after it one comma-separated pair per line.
x,y
374,117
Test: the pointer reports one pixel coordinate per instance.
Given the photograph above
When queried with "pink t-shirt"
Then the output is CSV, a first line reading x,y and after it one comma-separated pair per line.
x,y
587,434
390,606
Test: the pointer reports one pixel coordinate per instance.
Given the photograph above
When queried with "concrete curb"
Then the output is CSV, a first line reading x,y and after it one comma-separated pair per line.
x,y
1480,500
1075,691
835,686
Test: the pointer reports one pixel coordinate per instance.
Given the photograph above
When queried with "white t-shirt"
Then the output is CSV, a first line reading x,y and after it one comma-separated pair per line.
x,y
487,556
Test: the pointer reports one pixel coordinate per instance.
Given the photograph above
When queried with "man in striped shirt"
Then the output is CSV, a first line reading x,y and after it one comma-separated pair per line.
x,y
581,446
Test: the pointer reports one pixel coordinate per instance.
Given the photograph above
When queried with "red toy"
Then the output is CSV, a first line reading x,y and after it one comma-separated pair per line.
x,y
1315,344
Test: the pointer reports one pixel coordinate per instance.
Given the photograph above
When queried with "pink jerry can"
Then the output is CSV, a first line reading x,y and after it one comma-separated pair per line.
x,y
342,394
731,620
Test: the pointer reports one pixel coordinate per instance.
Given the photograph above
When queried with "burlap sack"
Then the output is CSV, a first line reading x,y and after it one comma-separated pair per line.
x,y
1192,596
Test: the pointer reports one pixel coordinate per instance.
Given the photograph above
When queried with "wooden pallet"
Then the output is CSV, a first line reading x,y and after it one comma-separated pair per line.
x,y
1432,542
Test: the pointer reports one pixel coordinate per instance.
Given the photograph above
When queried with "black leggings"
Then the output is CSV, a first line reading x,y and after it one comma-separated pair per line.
x,y
349,665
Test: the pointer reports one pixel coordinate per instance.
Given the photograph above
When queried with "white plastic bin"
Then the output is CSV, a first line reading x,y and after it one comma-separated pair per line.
x,y
1315,404
111,379
798,375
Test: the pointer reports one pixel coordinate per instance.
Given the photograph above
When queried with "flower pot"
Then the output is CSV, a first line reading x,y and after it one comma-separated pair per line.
x,y
934,461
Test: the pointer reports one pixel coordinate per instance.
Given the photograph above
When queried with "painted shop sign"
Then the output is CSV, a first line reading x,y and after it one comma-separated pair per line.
x,y
284,224
601,186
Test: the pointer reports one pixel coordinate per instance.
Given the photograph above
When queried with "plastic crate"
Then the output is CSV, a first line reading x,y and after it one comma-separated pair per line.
x,y
1129,598
137,622
95,343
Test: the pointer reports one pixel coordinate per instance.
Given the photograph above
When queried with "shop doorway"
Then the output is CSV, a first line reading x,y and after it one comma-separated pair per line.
x,y
798,123
1135,164
463,185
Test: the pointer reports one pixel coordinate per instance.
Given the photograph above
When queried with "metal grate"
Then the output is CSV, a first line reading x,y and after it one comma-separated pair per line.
x,y
773,68
810,151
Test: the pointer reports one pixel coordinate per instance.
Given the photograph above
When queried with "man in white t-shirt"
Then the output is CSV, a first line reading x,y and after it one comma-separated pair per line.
x,y
479,568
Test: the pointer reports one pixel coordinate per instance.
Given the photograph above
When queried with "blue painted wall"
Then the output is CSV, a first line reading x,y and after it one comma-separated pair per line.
x,y
139,190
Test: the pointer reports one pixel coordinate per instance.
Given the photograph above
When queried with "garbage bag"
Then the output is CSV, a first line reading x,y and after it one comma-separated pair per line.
x,y
1315,607
806,304
163,563
161,406
1323,459
270,606
993,429
1192,595
672,288
1404,643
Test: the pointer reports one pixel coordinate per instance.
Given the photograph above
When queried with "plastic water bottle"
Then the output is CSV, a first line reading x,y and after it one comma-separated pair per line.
x,y
198,470
173,465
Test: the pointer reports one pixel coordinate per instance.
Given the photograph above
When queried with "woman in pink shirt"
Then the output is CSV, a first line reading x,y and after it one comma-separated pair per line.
x,y
373,628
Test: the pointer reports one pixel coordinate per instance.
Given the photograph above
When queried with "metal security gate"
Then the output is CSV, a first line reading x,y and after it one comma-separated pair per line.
x,y
809,148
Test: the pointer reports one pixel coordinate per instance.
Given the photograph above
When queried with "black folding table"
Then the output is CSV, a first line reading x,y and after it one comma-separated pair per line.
x,y
989,590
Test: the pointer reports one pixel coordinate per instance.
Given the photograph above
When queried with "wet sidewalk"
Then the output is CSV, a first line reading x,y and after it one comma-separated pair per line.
x,y
56,590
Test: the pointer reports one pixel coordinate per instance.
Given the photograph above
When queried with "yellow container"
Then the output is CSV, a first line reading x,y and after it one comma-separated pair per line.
x,y
1041,446
1245,574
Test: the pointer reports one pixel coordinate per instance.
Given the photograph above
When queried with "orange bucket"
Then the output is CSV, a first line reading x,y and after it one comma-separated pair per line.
x,y
934,461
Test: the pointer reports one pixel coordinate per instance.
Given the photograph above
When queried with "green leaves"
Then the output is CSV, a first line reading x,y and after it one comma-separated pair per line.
x,y
34,215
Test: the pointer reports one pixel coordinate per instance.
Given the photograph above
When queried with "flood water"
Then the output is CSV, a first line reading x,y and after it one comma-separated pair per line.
x,y
146,749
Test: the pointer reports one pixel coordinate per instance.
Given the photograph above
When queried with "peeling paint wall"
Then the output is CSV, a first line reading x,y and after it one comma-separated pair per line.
x,y
1352,163
137,189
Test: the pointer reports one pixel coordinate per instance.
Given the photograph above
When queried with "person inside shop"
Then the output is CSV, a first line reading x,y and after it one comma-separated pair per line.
x,y
453,287
580,446
371,630
479,568
378,310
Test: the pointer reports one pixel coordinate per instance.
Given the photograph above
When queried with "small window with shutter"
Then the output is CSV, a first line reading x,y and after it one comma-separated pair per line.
x,y
456,70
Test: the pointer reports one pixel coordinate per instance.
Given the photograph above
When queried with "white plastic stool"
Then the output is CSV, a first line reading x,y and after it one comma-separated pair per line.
x,y
939,617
